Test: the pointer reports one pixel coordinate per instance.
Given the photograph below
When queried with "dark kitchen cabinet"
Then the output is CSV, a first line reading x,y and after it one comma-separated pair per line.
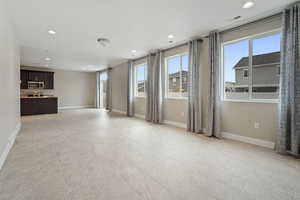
x,y
49,80
37,76
24,79
36,106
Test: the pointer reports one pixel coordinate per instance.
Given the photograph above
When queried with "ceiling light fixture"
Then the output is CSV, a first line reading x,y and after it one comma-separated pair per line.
x,y
237,17
248,4
52,32
133,51
103,41
47,59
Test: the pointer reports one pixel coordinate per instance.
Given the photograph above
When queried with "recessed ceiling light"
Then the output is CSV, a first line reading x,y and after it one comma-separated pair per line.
x,y
52,32
47,59
248,4
170,36
133,51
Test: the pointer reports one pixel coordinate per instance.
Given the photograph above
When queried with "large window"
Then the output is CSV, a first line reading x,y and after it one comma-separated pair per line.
x,y
140,80
177,76
251,67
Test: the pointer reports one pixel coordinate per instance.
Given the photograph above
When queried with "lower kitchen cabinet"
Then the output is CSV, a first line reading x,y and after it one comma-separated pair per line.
x,y
36,106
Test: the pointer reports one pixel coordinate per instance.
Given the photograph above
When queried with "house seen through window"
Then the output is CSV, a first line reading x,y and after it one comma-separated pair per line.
x,y
251,68
176,76
141,77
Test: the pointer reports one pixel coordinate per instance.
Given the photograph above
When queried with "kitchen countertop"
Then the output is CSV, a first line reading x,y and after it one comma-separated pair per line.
x,y
37,97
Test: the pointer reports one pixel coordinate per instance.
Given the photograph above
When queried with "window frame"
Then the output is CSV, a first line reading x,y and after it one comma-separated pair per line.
x,y
136,93
167,75
247,73
222,74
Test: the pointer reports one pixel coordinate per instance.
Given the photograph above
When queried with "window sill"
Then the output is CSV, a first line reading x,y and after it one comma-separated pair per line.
x,y
251,101
140,97
176,98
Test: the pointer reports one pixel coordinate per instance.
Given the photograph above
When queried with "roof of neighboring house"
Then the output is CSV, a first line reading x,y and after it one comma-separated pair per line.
x,y
177,74
261,59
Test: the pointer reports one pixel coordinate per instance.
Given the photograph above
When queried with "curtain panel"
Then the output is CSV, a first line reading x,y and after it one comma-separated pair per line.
x,y
214,109
109,90
288,138
98,90
130,89
194,123
154,87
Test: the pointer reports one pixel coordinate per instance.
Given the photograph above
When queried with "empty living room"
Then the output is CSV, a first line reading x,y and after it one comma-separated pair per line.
x,y
150,100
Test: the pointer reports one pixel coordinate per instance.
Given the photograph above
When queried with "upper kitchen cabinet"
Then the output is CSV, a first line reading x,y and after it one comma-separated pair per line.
x,y
37,76
49,80
24,79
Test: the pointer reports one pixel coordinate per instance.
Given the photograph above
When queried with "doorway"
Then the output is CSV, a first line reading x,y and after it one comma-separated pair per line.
x,y
103,86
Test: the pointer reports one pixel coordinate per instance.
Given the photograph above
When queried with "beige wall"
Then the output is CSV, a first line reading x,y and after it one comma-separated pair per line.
x,y
72,88
119,87
237,117
174,109
9,80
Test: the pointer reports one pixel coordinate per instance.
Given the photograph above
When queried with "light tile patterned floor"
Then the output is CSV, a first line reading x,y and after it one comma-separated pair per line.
x,y
91,155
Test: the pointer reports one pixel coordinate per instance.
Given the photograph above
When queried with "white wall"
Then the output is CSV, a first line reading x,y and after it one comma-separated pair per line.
x,y
9,84
73,89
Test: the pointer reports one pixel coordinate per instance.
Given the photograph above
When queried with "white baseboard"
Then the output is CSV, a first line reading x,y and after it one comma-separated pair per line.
x,y
258,142
9,145
75,107
177,124
119,111
225,135
139,116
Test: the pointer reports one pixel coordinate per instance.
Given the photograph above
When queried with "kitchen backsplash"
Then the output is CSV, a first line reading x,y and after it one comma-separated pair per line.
x,y
29,91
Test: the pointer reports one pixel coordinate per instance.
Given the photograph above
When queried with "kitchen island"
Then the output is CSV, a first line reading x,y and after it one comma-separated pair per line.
x,y
35,105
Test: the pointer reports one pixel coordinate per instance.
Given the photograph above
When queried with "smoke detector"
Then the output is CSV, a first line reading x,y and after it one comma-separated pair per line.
x,y
103,41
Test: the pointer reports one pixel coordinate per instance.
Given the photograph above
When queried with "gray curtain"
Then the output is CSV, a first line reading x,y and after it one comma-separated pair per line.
x,y
98,90
214,109
130,90
194,99
154,88
109,90
288,139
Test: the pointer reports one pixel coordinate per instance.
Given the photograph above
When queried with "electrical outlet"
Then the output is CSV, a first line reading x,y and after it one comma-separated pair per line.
x,y
256,125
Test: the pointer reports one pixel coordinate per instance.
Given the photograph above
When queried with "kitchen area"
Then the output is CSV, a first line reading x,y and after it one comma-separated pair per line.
x,y
37,96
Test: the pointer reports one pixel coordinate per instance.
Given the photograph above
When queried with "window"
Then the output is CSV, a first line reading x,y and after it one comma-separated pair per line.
x,y
140,80
103,81
245,73
250,68
176,76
